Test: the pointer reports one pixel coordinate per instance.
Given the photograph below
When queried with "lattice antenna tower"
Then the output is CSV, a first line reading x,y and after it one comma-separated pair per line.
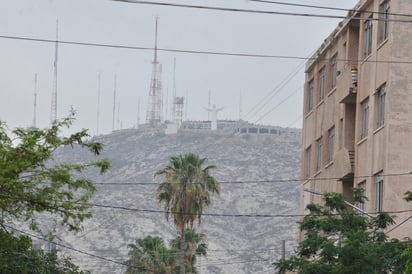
x,y
35,100
154,115
53,111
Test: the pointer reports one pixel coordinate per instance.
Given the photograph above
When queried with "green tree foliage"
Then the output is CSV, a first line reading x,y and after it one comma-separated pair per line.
x,y
407,254
17,256
30,182
151,256
338,239
186,192
195,246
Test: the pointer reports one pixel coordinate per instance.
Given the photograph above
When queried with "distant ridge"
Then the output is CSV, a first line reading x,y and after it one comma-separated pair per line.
x,y
236,244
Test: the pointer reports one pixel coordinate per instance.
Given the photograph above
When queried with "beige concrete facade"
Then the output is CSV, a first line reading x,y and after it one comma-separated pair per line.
x,y
357,126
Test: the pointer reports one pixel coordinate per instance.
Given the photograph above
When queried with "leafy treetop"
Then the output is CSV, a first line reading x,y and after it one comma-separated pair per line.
x,y
31,183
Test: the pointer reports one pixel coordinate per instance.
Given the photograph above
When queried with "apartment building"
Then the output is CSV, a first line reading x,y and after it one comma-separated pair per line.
x,y
357,126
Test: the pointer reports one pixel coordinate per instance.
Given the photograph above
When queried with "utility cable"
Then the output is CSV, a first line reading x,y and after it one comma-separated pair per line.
x,y
279,104
328,8
66,246
268,97
217,53
223,215
273,180
398,225
328,16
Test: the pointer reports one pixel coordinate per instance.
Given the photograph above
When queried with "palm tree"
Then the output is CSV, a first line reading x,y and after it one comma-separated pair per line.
x,y
186,192
151,256
195,245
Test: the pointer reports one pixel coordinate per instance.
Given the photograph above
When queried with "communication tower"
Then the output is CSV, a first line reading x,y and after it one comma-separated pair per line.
x,y
154,115
53,112
178,104
35,100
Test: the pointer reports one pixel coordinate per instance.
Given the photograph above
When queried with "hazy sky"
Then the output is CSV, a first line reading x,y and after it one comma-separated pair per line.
x,y
116,23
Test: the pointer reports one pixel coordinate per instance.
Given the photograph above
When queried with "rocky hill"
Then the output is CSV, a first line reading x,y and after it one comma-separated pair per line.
x,y
244,243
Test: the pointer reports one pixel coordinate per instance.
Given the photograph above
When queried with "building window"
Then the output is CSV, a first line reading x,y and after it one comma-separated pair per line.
x,y
380,99
331,143
322,82
384,11
311,88
319,154
364,118
334,69
362,186
368,29
308,161
379,192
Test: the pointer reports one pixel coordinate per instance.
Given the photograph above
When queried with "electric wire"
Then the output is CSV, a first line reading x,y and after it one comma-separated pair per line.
x,y
222,214
104,258
398,225
271,180
66,246
277,105
327,16
217,53
268,97
328,8
157,211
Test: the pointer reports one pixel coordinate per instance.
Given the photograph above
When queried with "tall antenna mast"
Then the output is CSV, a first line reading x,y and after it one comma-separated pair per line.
x,y
154,115
35,100
209,105
240,106
187,103
118,116
138,112
98,104
114,101
174,92
53,112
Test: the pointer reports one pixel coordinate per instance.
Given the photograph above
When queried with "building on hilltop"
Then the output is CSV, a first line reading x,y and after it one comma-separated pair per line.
x,y
357,126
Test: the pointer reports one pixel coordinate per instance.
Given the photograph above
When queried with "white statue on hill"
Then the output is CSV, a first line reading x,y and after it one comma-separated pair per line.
x,y
214,112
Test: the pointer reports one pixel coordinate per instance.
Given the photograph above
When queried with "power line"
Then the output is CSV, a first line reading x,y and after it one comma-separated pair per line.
x,y
66,246
279,104
268,97
328,16
327,8
217,53
398,225
222,214
274,180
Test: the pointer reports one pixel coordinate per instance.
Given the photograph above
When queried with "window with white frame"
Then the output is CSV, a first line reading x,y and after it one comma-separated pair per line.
x,y
322,83
319,154
308,164
368,30
380,99
311,88
331,143
364,118
379,192
334,63
384,11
